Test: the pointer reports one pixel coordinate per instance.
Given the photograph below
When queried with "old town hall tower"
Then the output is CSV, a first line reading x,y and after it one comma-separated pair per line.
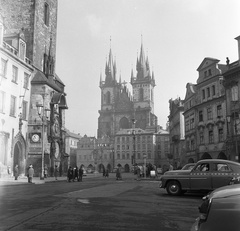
x,y
120,107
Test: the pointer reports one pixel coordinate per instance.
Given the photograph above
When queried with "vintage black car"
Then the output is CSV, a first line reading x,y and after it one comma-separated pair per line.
x,y
220,210
207,175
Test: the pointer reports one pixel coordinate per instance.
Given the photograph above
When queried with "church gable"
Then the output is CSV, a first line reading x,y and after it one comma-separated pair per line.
x,y
191,91
207,69
206,63
124,103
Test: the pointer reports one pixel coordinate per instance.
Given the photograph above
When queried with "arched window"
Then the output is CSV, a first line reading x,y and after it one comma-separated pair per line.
x,y
141,94
108,97
124,123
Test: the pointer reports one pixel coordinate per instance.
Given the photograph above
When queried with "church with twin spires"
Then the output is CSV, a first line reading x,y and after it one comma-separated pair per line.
x,y
121,108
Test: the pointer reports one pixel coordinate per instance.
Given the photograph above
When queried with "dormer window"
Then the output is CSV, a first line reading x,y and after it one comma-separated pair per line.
x,y
209,72
22,49
205,73
46,14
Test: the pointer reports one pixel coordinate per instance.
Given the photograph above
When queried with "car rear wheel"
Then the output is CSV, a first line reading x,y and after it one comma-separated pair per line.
x,y
174,188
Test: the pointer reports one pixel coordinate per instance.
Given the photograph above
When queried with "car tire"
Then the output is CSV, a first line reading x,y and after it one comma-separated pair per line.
x,y
174,188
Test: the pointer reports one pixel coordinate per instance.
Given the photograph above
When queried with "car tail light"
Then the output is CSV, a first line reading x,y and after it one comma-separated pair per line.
x,y
203,216
204,209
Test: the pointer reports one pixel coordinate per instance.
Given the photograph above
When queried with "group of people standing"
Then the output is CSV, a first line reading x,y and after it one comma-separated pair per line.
x,y
30,173
74,174
105,173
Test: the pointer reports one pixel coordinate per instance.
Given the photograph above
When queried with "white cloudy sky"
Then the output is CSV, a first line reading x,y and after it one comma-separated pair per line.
x,y
177,35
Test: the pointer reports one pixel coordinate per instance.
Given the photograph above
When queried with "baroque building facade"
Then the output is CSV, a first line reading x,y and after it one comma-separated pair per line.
x,y
205,113
37,21
177,132
232,86
15,77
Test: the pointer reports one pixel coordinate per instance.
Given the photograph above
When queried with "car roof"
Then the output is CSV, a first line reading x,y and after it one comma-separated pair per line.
x,y
226,191
219,161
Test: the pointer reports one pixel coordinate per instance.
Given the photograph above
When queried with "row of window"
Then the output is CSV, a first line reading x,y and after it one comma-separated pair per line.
x,y
208,92
13,105
138,147
15,75
107,96
138,156
139,138
190,121
191,144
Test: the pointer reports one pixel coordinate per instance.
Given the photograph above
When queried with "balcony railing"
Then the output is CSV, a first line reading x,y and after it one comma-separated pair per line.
x,y
14,51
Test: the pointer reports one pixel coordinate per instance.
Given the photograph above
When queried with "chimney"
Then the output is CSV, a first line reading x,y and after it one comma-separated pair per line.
x,y
238,40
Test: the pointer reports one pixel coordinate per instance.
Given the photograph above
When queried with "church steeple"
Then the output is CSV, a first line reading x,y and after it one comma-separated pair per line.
x,y
142,68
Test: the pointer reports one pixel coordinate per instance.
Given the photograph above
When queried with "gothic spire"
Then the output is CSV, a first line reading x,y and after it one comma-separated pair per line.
x,y
110,69
142,65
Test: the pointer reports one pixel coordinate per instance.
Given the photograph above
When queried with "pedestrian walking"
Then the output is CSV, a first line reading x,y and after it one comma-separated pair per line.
x,y
56,172
80,173
16,172
106,173
118,174
138,173
70,174
30,173
45,171
75,174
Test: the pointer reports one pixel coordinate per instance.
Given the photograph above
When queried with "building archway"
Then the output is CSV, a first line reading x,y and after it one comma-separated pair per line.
x,y
101,168
109,167
126,168
206,155
119,165
19,154
222,156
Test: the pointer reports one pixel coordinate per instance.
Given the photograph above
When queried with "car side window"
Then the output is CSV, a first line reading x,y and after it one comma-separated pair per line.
x,y
202,167
205,167
223,168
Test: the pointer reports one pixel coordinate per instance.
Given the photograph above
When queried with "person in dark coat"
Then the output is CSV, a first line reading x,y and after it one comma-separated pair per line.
x,y
70,174
106,173
76,175
118,174
16,172
56,172
30,173
80,174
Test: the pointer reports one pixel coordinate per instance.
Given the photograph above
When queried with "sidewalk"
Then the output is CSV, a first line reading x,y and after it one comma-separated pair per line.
x,y
37,180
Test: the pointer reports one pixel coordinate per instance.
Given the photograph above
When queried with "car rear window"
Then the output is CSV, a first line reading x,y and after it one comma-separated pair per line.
x,y
221,167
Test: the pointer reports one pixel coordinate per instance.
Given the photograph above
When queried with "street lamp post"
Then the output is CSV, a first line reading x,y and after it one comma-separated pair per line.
x,y
134,138
43,114
145,164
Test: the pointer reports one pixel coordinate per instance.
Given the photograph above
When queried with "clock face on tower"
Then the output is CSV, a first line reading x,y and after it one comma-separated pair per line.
x,y
35,138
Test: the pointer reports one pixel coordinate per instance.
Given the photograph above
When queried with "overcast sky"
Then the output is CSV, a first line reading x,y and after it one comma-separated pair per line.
x,y
176,34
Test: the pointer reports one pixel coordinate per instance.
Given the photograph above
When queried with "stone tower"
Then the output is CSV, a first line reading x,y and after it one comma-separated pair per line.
x,y
119,107
143,93
37,20
116,103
